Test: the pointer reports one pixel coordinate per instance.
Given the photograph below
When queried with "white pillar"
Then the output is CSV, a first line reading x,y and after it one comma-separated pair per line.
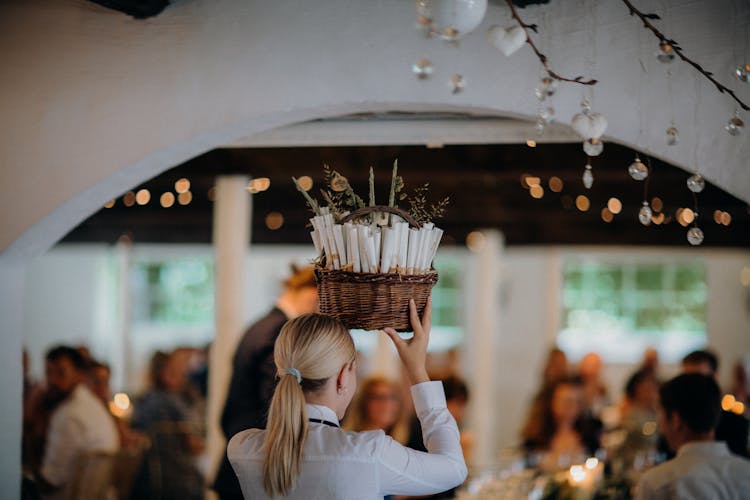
x,y
231,240
483,325
12,280
124,355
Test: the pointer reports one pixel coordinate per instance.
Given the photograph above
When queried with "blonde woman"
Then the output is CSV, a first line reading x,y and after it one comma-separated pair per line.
x,y
378,405
304,454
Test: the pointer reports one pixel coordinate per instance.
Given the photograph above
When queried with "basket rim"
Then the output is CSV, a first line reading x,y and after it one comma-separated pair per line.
x,y
353,277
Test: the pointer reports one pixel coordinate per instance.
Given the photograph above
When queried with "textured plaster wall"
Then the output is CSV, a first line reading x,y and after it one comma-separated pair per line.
x,y
93,102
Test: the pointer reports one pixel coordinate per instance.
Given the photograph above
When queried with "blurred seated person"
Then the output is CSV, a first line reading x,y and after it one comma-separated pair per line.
x,y
80,422
456,398
97,379
703,467
650,361
378,407
556,366
557,433
594,390
638,420
172,427
740,385
731,428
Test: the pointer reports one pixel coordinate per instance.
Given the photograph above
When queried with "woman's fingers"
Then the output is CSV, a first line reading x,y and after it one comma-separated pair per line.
x,y
396,338
427,316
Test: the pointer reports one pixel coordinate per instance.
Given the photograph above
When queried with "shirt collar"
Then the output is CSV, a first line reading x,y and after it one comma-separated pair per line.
x,y
704,448
321,412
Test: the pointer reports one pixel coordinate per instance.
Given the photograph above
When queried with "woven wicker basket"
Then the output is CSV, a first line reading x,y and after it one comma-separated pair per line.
x,y
370,301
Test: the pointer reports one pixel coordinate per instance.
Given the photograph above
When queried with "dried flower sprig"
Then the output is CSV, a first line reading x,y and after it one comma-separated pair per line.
x,y
418,205
340,197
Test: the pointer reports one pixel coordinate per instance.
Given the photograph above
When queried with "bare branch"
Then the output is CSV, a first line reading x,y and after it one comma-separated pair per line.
x,y
542,58
678,50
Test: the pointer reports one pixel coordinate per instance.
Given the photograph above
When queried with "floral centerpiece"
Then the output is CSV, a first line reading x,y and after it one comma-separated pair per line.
x,y
373,258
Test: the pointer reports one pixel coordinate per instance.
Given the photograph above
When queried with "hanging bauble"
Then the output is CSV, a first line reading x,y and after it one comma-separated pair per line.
x,y
695,235
741,72
507,40
666,53
422,68
593,147
588,124
455,18
637,169
547,114
424,18
644,214
735,124
457,83
696,183
539,126
588,177
547,86
673,136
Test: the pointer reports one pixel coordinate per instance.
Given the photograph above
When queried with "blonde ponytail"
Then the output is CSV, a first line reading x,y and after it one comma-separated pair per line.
x,y
315,347
287,430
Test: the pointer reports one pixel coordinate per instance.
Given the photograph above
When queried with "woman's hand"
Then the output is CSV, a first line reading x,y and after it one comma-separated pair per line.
x,y
413,352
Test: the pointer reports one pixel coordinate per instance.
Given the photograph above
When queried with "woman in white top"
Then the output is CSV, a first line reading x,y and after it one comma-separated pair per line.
x,y
304,453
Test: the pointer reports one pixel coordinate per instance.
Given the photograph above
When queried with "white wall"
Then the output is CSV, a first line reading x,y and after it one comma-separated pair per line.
x,y
95,102
60,305
11,328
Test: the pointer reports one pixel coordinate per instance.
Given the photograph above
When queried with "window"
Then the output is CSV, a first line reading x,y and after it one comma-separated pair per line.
x,y
618,310
173,292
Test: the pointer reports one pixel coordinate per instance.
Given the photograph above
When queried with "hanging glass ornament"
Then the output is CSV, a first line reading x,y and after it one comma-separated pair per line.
x,y
644,214
424,24
539,126
735,124
695,235
422,68
450,35
666,53
547,114
637,169
741,72
673,136
547,86
457,83
588,176
593,147
696,183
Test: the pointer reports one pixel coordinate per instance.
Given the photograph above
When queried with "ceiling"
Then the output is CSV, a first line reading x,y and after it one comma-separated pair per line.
x,y
483,182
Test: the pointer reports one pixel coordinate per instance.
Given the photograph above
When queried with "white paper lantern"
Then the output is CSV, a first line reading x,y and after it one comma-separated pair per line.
x,y
461,16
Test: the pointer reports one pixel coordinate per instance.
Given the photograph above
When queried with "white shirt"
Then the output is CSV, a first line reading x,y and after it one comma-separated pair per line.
x,y
701,470
81,423
362,465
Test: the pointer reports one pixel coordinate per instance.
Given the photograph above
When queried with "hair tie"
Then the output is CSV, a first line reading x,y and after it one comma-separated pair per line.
x,y
295,372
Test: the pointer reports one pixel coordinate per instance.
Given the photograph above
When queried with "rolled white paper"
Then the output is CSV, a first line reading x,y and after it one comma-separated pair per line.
x,y
361,236
354,249
319,226
316,241
328,231
338,234
371,255
403,241
411,255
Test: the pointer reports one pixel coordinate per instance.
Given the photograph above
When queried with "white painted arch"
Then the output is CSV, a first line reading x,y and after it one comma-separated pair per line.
x,y
95,102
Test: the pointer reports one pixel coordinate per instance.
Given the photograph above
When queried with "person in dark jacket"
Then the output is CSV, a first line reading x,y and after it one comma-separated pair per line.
x,y
732,428
254,373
